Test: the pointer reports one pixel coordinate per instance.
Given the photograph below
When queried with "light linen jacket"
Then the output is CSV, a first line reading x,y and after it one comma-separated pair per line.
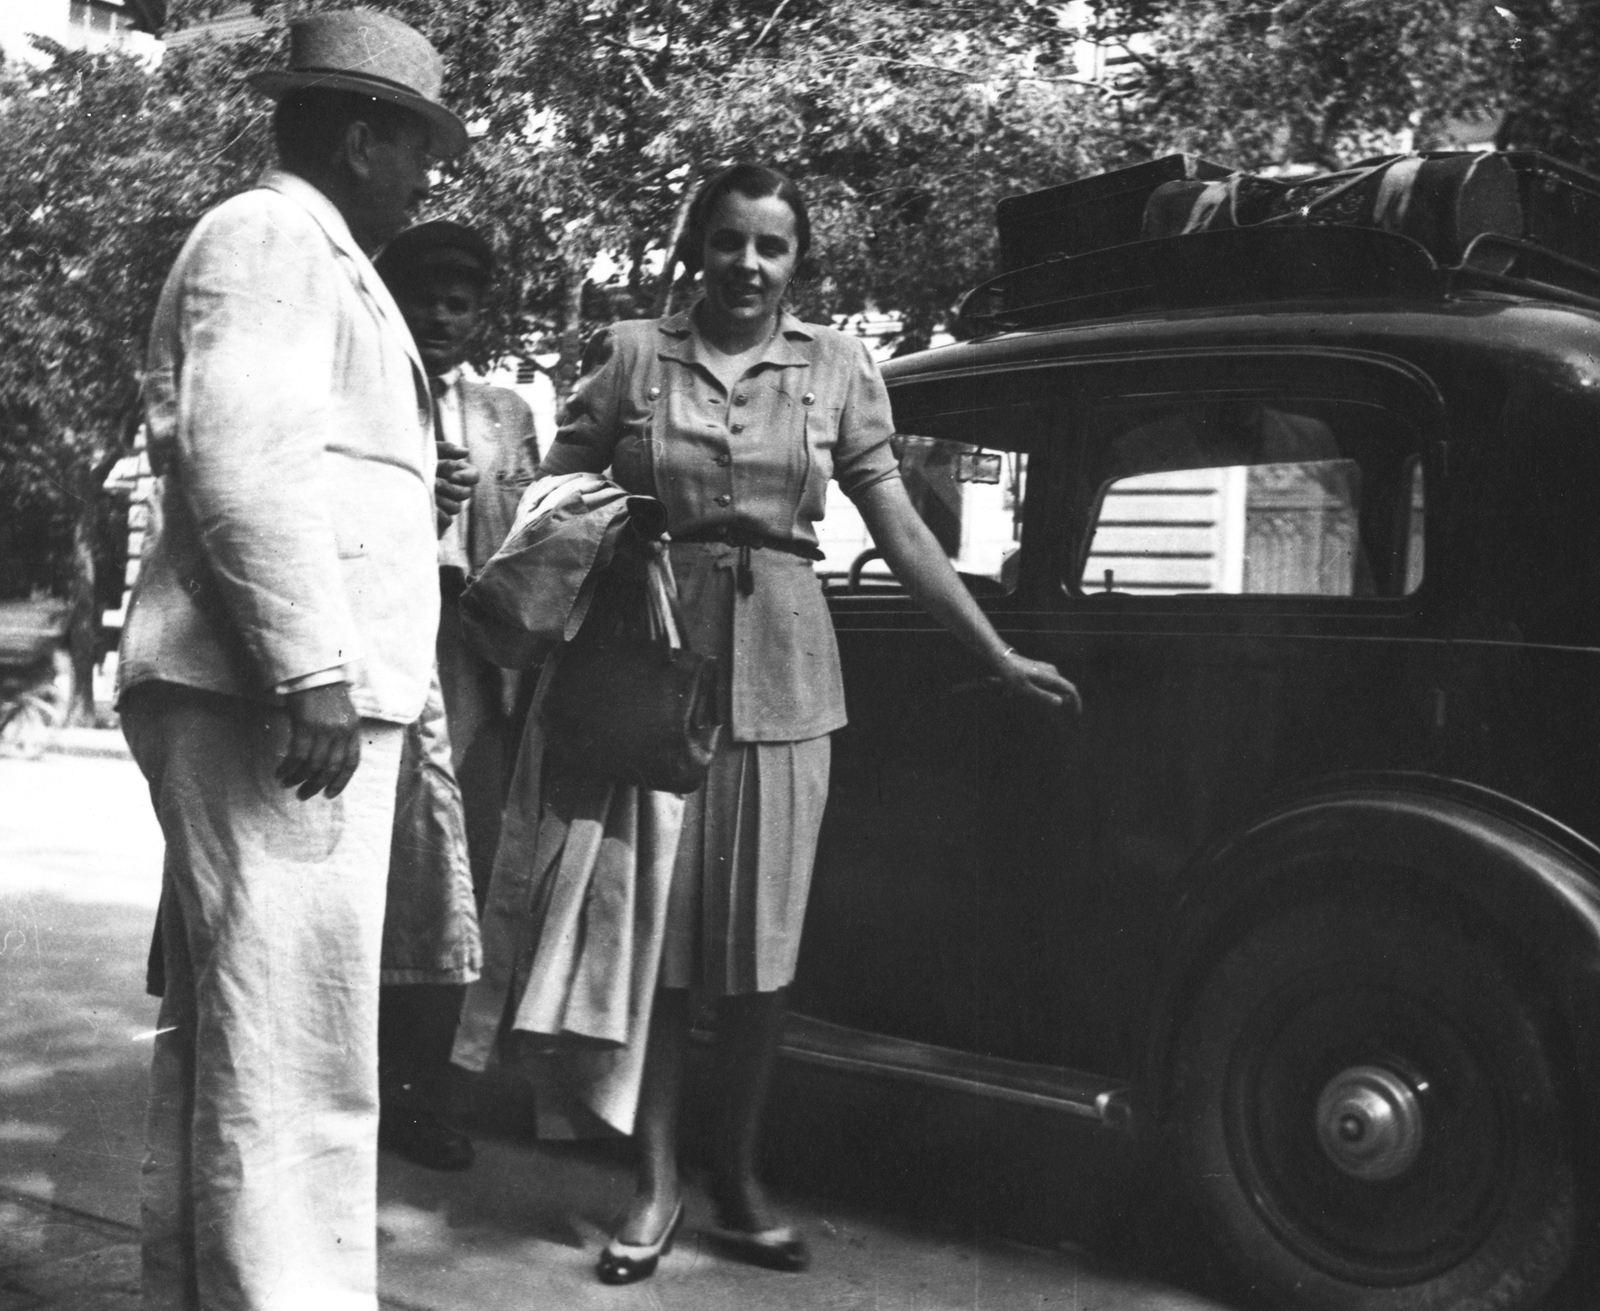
x,y
291,429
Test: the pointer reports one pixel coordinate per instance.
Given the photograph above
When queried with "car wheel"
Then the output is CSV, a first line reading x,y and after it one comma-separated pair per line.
x,y
1367,1115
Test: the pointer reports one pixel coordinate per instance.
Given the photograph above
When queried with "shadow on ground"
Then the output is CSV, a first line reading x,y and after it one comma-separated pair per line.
x,y
911,1198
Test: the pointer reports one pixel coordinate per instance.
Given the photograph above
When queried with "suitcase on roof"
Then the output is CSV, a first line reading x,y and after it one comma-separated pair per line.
x,y
1089,214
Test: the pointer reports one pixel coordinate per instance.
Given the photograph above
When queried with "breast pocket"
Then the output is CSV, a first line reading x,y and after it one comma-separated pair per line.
x,y
821,436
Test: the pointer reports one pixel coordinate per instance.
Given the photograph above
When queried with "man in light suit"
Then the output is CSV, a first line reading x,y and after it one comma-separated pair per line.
x,y
281,634
439,273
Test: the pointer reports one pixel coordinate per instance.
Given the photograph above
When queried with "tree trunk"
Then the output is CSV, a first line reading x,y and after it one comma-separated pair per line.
x,y
83,635
669,269
572,330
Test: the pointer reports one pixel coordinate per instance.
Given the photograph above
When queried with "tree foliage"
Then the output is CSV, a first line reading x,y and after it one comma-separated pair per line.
x,y
903,120
103,169
1322,83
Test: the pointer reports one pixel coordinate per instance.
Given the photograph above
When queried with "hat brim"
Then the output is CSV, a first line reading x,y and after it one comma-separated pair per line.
x,y
447,133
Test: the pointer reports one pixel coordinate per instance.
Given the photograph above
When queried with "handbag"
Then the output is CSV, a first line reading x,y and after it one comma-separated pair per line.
x,y
633,704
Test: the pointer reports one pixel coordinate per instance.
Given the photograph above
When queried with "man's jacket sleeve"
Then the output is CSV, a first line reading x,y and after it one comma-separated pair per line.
x,y
260,318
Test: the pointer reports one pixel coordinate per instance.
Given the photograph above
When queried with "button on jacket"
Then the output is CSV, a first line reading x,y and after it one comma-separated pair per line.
x,y
756,458
291,426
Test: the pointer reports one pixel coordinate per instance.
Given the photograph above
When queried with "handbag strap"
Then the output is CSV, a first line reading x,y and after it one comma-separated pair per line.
x,y
668,627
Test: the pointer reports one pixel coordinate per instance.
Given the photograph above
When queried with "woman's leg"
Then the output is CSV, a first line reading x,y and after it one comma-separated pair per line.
x,y
656,1121
748,1026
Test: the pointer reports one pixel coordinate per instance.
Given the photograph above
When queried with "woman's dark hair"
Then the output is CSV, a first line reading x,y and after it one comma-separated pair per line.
x,y
309,126
753,182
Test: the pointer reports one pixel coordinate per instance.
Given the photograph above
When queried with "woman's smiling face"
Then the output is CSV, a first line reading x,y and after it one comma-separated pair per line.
x,y
750,254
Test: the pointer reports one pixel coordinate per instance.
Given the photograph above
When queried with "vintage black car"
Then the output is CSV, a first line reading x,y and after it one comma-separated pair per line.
x,y
1312,886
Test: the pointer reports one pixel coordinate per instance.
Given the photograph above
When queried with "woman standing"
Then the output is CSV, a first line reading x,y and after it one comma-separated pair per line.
x,y
734,415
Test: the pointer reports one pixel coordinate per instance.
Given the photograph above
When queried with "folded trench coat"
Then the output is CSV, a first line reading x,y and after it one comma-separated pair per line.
x,y
576,912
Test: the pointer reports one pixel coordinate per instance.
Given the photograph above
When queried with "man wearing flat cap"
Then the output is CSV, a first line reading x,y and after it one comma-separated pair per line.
x,y
281,635
439,273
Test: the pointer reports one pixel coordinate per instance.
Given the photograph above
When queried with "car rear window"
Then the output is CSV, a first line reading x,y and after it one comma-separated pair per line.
x,y
1254,496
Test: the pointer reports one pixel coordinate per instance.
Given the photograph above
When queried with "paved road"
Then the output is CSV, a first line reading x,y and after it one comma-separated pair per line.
x,y
914,1201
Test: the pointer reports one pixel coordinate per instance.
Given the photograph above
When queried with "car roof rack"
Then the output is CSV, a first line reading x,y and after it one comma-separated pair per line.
x,y
1537,234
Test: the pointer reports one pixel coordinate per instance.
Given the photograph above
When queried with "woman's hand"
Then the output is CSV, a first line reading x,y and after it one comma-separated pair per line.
x,y
919,562
1038,679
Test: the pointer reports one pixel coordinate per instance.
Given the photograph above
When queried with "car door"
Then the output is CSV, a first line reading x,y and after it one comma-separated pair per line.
x,y
934,881
1226,554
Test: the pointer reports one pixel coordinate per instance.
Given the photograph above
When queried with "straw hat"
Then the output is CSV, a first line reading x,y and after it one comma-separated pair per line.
x,y
371,54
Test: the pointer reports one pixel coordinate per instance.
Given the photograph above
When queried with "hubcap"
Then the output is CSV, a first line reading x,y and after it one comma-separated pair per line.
x,y
1369,1122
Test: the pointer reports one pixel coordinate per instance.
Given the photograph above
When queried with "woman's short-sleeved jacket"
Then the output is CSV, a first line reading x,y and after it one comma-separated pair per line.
x,y
755,458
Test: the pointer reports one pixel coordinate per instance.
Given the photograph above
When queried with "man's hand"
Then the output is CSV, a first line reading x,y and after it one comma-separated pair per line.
x,y
453,481
324,741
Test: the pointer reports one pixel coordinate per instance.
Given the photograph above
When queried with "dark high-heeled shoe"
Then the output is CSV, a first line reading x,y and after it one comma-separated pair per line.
x,y
780,1248
628,1263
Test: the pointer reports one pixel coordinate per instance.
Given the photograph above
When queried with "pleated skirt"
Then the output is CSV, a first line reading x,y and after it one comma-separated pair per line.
x,y
743,871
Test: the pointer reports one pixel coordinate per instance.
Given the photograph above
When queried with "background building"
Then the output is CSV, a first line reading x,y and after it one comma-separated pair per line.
x,y
76,24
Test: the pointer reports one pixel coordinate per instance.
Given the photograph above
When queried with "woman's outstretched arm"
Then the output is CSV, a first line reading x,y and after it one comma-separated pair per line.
x,y
919,562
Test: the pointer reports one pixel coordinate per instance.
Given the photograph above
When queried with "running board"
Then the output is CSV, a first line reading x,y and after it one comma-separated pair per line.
x,y
1071,1092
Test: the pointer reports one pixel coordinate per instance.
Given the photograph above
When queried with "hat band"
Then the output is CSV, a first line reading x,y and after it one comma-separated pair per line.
x,y
365,77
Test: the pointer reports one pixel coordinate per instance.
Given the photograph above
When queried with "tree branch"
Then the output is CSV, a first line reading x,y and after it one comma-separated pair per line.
x,y
767,27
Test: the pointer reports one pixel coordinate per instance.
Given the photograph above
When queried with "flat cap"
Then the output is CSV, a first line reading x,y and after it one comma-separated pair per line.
x,y
438,244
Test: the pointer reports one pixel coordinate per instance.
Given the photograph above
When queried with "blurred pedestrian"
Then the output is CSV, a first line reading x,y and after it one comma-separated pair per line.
x,y
453,766
281,634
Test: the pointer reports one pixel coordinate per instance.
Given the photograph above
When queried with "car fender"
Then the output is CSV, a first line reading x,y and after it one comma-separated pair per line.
x,y
1504,868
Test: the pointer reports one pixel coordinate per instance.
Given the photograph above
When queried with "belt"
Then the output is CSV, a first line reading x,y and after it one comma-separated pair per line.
x,y
747,539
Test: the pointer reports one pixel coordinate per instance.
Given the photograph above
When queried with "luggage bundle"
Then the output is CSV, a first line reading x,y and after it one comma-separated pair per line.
x,y
1103,244
1442,202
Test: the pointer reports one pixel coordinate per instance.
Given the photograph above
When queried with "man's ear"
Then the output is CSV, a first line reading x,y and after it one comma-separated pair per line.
x,y
355,151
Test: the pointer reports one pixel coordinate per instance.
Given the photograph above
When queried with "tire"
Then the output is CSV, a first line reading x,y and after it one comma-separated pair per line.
x,y
1366,1114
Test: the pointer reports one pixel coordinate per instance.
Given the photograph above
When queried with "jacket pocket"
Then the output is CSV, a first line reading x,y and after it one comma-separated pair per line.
x,y
350,544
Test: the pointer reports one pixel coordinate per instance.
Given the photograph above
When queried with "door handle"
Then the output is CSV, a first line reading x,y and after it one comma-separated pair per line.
x,y
1066,713
988,683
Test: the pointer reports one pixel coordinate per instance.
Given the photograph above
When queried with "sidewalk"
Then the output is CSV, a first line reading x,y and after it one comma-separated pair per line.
x,y
912,1202
107,743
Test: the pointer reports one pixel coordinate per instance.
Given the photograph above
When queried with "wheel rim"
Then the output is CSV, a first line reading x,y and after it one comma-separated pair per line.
x,y
1369,1132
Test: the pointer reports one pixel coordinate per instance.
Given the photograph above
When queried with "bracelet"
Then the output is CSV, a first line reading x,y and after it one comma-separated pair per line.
x,y
1008,652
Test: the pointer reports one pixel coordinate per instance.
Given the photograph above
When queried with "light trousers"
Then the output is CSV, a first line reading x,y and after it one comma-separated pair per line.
x,y
260,1173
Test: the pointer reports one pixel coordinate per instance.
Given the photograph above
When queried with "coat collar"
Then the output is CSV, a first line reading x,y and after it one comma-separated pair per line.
x,y
332,222
680,340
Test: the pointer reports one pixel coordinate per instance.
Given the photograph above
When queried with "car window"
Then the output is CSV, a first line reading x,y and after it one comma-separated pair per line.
x,y
1255,496
969,496
965,469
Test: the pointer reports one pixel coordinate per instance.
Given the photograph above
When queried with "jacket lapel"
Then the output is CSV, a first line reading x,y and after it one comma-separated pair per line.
x,y
363,274
477,426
